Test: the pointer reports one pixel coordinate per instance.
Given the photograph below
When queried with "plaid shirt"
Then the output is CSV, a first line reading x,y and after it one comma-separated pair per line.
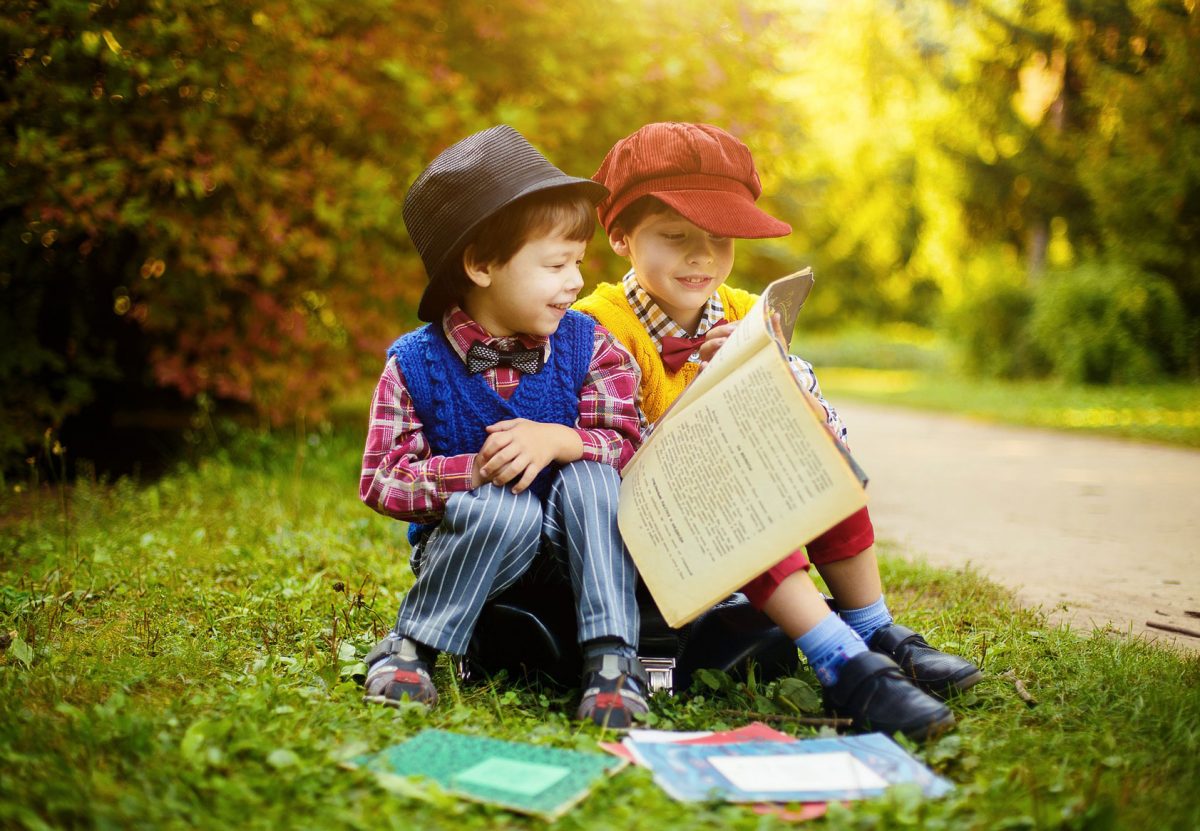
x,y
402,479
659,325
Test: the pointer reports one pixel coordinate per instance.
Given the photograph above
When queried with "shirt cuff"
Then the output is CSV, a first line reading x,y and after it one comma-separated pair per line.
x,y
604,446
454,474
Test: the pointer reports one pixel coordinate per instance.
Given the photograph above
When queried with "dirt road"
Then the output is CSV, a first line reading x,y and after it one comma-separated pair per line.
x,y
1099,532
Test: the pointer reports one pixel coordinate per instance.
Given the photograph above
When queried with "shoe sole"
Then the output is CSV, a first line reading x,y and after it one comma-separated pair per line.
x,y
926,732
954,687
393,702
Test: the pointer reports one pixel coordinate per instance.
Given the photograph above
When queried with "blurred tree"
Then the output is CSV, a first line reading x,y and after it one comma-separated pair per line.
x,y
200,200
1090,114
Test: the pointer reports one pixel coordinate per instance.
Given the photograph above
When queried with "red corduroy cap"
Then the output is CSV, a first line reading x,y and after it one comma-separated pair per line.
x,y
701,171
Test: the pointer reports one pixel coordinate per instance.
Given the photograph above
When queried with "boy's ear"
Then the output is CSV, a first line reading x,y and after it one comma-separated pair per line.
x,y
478,273
619,241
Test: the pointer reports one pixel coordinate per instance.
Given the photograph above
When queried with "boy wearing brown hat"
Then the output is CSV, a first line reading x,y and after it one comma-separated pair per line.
x,y
497,430
679,195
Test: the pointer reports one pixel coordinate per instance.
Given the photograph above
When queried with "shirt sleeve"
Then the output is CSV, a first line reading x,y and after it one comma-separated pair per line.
x,y
399,477
609,420
803,371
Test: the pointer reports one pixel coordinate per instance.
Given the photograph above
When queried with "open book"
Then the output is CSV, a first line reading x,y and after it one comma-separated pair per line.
x,y
739,472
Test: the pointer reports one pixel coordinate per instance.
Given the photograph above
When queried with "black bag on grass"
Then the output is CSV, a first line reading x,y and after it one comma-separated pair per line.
x,y
529,631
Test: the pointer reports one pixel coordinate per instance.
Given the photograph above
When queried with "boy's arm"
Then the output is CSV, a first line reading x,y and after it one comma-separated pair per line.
x,y
399,477
609,420
803,371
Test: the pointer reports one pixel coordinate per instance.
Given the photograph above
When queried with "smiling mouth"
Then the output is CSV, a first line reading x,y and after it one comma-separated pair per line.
x,y
562,307
695,280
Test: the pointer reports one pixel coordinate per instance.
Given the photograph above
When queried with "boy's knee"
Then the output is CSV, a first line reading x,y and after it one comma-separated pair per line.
x,y
595,482
521,512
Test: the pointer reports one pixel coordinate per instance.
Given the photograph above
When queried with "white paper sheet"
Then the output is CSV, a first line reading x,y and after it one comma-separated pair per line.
x,y
816,771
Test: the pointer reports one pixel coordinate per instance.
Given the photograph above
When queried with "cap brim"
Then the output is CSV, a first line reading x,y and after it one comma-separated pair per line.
x,y
435,299
724,214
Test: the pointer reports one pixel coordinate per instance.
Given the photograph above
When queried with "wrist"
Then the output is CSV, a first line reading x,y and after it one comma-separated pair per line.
x,y
569,445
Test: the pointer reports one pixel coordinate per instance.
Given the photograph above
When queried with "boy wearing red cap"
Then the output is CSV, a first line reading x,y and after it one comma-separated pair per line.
x,y
498,429
679,195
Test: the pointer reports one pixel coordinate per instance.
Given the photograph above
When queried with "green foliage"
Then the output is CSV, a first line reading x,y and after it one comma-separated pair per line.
x,y
1108,322
189,647
992,327
204,197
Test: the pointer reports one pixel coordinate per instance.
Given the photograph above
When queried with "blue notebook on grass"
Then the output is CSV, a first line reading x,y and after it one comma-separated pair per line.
x,y
808,770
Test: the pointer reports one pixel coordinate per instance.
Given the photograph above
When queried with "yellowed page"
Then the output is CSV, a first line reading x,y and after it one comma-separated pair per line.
x,y
730,486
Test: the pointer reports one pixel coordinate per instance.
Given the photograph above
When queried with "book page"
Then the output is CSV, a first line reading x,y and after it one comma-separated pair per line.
x,y
730,486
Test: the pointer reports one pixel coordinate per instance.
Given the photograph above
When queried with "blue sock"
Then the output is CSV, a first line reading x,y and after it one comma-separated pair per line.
x,y
866,620
828,646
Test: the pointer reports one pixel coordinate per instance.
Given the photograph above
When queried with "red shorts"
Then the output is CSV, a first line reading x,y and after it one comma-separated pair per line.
x,y
850,537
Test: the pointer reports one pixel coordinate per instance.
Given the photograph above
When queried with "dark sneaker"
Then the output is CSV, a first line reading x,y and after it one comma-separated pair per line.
x,y
873,692
614,690
933,671
395,671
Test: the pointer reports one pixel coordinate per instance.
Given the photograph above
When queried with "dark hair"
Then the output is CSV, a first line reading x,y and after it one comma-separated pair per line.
x,y
499,237
638,210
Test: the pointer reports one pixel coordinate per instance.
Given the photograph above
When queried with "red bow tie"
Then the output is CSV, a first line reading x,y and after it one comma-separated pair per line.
x,y
676,351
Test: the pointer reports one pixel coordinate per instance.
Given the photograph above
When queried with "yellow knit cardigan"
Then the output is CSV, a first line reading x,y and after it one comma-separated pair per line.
x,y
607,304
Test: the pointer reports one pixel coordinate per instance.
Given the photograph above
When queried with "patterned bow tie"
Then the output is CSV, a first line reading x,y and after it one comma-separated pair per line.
x,y
676,351
481,358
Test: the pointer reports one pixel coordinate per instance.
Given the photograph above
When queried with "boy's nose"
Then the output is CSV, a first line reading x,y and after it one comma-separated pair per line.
x,y
702,252
575,279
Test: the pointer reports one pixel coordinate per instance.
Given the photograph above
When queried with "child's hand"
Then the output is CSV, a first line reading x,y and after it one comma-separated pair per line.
x,y
714,339
518,449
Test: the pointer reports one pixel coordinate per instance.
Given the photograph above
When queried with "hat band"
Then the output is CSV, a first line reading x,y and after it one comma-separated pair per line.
x,y
694,181
680,182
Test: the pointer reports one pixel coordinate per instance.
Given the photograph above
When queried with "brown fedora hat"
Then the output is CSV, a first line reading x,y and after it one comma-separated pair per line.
x,y
467,183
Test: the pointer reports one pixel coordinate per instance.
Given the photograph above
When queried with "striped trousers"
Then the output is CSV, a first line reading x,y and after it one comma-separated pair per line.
x,y
489,537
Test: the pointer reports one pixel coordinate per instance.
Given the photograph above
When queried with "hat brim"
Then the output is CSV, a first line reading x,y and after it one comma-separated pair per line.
x,y
724,214
436,297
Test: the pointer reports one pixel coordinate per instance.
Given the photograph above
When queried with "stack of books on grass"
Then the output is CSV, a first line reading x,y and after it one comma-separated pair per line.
x,y
757,764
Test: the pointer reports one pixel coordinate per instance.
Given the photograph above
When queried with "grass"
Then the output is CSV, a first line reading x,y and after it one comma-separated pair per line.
x,y
180,654
910,368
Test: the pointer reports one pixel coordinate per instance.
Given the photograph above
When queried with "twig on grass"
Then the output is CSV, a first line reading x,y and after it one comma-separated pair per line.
x,y
1019,686
1178,630
807,721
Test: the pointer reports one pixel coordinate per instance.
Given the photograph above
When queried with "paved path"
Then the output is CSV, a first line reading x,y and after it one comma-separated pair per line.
x,y
1096,531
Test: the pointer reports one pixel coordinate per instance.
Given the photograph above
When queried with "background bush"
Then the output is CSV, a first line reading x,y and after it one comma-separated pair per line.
x,y
992,328
1105,322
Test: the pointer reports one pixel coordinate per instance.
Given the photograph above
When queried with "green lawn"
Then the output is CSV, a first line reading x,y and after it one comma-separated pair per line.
x,y
909,368
182,651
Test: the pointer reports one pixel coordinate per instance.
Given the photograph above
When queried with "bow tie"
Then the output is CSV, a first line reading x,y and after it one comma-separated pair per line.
x,y
676,351
481,358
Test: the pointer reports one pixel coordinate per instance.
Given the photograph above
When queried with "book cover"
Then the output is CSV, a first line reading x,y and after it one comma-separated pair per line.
x,y
527,778
806,770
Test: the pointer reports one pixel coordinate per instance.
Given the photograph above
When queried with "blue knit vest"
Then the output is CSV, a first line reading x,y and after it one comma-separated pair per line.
x,y
455,407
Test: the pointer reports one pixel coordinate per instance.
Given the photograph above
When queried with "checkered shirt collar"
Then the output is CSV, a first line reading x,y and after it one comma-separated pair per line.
x,y
463,333
658,323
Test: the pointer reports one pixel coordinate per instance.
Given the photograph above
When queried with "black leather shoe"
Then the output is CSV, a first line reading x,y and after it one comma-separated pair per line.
x,y
933,671
873,692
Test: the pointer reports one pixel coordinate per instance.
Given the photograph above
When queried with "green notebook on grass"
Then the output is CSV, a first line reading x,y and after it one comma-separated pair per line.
x,y
531,779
